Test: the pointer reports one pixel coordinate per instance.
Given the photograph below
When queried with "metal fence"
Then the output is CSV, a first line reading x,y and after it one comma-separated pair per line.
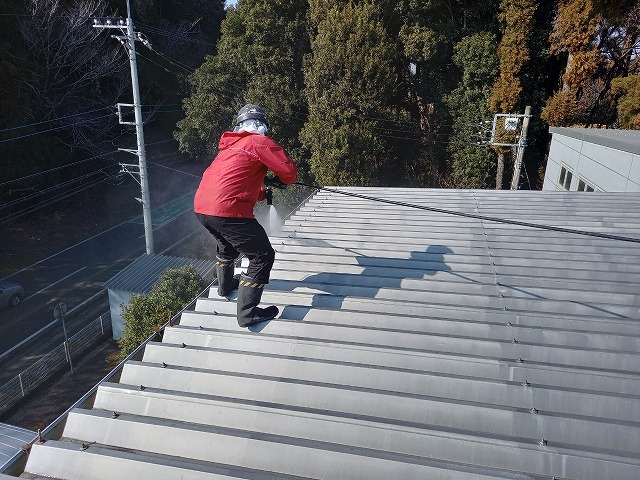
x,y
53,362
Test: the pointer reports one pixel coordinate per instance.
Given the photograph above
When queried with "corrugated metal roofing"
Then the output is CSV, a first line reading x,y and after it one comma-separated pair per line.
x,y
625,140
12,439
410,345
143,273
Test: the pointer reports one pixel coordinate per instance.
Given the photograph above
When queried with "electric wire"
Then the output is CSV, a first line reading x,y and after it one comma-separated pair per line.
x,y
476,216
66,165
52,120
52,188
54,128
175,36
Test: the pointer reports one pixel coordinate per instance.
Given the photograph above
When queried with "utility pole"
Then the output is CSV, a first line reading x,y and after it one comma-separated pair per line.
x,y
522,143
128,40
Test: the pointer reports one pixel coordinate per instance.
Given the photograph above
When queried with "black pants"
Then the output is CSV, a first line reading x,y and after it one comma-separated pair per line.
x,y
242,235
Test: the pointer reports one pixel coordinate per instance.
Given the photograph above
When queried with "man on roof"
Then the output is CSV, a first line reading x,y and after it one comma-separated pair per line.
x,y
224,203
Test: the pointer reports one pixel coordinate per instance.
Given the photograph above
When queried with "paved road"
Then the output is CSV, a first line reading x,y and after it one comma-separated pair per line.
x,y
79,272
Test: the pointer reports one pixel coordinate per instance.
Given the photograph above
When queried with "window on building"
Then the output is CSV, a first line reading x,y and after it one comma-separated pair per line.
x,y
565,178
583,186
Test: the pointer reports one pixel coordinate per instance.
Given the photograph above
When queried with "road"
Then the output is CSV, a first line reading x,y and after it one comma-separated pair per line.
x,y
79,272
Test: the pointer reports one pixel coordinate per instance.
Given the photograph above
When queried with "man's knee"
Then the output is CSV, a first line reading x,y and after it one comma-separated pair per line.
x,y
260,265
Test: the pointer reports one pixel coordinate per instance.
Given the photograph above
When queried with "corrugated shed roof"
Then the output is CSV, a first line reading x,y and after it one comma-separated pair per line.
x,y
12,439
143,273
411,345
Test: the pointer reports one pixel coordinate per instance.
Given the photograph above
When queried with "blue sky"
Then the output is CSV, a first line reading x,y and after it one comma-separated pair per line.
x,y
228,3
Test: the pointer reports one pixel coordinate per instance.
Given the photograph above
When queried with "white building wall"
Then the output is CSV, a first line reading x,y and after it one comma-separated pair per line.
x,y
605,168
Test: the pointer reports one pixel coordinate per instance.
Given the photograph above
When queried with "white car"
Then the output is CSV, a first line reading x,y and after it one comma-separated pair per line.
x,y
10,293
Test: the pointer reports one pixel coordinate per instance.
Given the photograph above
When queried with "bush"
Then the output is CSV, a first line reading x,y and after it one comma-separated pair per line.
x,y
147,313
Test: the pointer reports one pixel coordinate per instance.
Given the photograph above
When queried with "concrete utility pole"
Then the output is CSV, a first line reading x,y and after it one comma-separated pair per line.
x,y
522,143
129,42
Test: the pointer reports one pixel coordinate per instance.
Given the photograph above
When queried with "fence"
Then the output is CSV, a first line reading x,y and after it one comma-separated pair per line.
x,y
54,361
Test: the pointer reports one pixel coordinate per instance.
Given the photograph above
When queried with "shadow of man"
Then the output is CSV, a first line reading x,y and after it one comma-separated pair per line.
x,y
377,273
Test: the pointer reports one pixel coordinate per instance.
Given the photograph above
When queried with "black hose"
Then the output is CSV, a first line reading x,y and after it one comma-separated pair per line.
x,y
476,216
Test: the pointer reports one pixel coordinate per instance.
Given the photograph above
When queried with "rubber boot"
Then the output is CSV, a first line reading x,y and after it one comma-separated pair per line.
x,y
249,295
227,281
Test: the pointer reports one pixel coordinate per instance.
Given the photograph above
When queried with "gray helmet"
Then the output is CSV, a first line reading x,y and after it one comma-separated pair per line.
x,y
252,112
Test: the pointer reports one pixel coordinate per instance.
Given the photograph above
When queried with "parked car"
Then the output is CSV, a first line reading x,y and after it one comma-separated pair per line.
x,y
10,293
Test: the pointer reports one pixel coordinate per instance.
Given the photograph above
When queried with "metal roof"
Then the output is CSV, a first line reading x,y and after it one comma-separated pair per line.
x,y
411,344
625,140
12,439
143,273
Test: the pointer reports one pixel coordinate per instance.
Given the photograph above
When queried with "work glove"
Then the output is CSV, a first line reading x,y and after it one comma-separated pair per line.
x,y
274,182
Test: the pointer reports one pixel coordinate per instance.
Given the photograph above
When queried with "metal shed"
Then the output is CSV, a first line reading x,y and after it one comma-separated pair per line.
x,y
411,344
140,276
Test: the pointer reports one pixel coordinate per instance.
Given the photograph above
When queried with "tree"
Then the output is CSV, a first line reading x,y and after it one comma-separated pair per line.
x,y
628,89
428,33
516,18
78,68
472,166
259,61
600,41
146,314
349,80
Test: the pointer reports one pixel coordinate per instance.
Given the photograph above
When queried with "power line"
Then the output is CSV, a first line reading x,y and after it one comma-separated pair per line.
x,y
49,189
67,165
52,120
168,34
54,128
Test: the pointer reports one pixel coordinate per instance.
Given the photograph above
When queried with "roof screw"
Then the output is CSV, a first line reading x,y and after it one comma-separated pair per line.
x,y
542,441
514,341
142,387
534,410
505,309
200,327
183,345
115,415
84,446
171,322
519,360
526,383
501,296
510,324
215,312
40,439
164,365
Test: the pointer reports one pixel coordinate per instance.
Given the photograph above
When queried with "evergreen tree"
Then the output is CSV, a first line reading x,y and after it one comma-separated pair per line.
x,y
428,32
599,40
517,20
259,61
472,166
350,82
629,102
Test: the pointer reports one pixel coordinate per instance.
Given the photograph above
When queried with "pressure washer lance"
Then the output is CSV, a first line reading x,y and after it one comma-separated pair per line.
x,y
270,183
473,215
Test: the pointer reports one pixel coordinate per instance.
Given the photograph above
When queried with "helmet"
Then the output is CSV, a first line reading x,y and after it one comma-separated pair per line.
x,y
252,112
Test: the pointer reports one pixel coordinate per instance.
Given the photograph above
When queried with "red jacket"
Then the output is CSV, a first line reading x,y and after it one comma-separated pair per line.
x,y
232,184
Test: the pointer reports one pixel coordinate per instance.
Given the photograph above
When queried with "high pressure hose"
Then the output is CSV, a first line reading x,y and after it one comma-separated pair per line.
x,y
476,216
